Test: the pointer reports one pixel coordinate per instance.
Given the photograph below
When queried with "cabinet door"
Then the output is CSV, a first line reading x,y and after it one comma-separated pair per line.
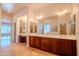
x,y
31,41
56,46
45,44
37,42
68,47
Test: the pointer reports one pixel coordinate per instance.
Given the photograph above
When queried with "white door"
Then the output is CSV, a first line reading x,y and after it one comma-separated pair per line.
x,y
5,33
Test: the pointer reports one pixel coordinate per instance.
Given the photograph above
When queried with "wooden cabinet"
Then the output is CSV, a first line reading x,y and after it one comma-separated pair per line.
x,y
34,41
22,39
64,47
31,41
56,46
37,42
69,47
45,44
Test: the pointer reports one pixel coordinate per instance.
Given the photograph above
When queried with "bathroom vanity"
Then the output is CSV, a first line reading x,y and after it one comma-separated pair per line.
x,y
60,46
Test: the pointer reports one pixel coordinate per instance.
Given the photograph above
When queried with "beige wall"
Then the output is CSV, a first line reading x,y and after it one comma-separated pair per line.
x,y
5,15
76,10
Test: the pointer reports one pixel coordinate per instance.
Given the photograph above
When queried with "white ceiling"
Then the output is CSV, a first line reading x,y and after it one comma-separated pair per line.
x,y
19,6
16,8
37,6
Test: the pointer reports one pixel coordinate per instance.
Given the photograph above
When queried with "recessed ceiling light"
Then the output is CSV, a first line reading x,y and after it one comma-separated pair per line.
x,y
8,7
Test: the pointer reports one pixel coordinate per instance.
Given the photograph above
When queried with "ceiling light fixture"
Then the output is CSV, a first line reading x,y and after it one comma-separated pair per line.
x,y
39,17
62,13
8,7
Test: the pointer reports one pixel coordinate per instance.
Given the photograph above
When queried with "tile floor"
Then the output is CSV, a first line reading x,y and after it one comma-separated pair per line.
x,y
22,50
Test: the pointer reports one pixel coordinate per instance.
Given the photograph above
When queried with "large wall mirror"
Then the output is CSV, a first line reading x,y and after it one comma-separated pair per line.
x,y
54,20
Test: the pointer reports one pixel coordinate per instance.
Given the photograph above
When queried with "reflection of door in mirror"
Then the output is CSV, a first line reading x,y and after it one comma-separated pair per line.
x,y
62,28
14,32
72,25
35,28
31,27
22,26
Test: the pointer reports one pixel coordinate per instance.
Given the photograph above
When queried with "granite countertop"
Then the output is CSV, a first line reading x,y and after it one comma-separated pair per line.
x,y
72,37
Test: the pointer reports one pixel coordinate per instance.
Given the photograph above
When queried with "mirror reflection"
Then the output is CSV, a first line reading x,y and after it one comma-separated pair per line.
x,y
33,27
51,22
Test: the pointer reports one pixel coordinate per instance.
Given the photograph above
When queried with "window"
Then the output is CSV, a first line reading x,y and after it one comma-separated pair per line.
x,y
5,29
47,28
5,32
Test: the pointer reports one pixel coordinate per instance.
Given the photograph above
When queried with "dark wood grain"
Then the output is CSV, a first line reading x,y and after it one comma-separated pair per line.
x,y
37,42
68,47
31,41
64,47
45,44
56,46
